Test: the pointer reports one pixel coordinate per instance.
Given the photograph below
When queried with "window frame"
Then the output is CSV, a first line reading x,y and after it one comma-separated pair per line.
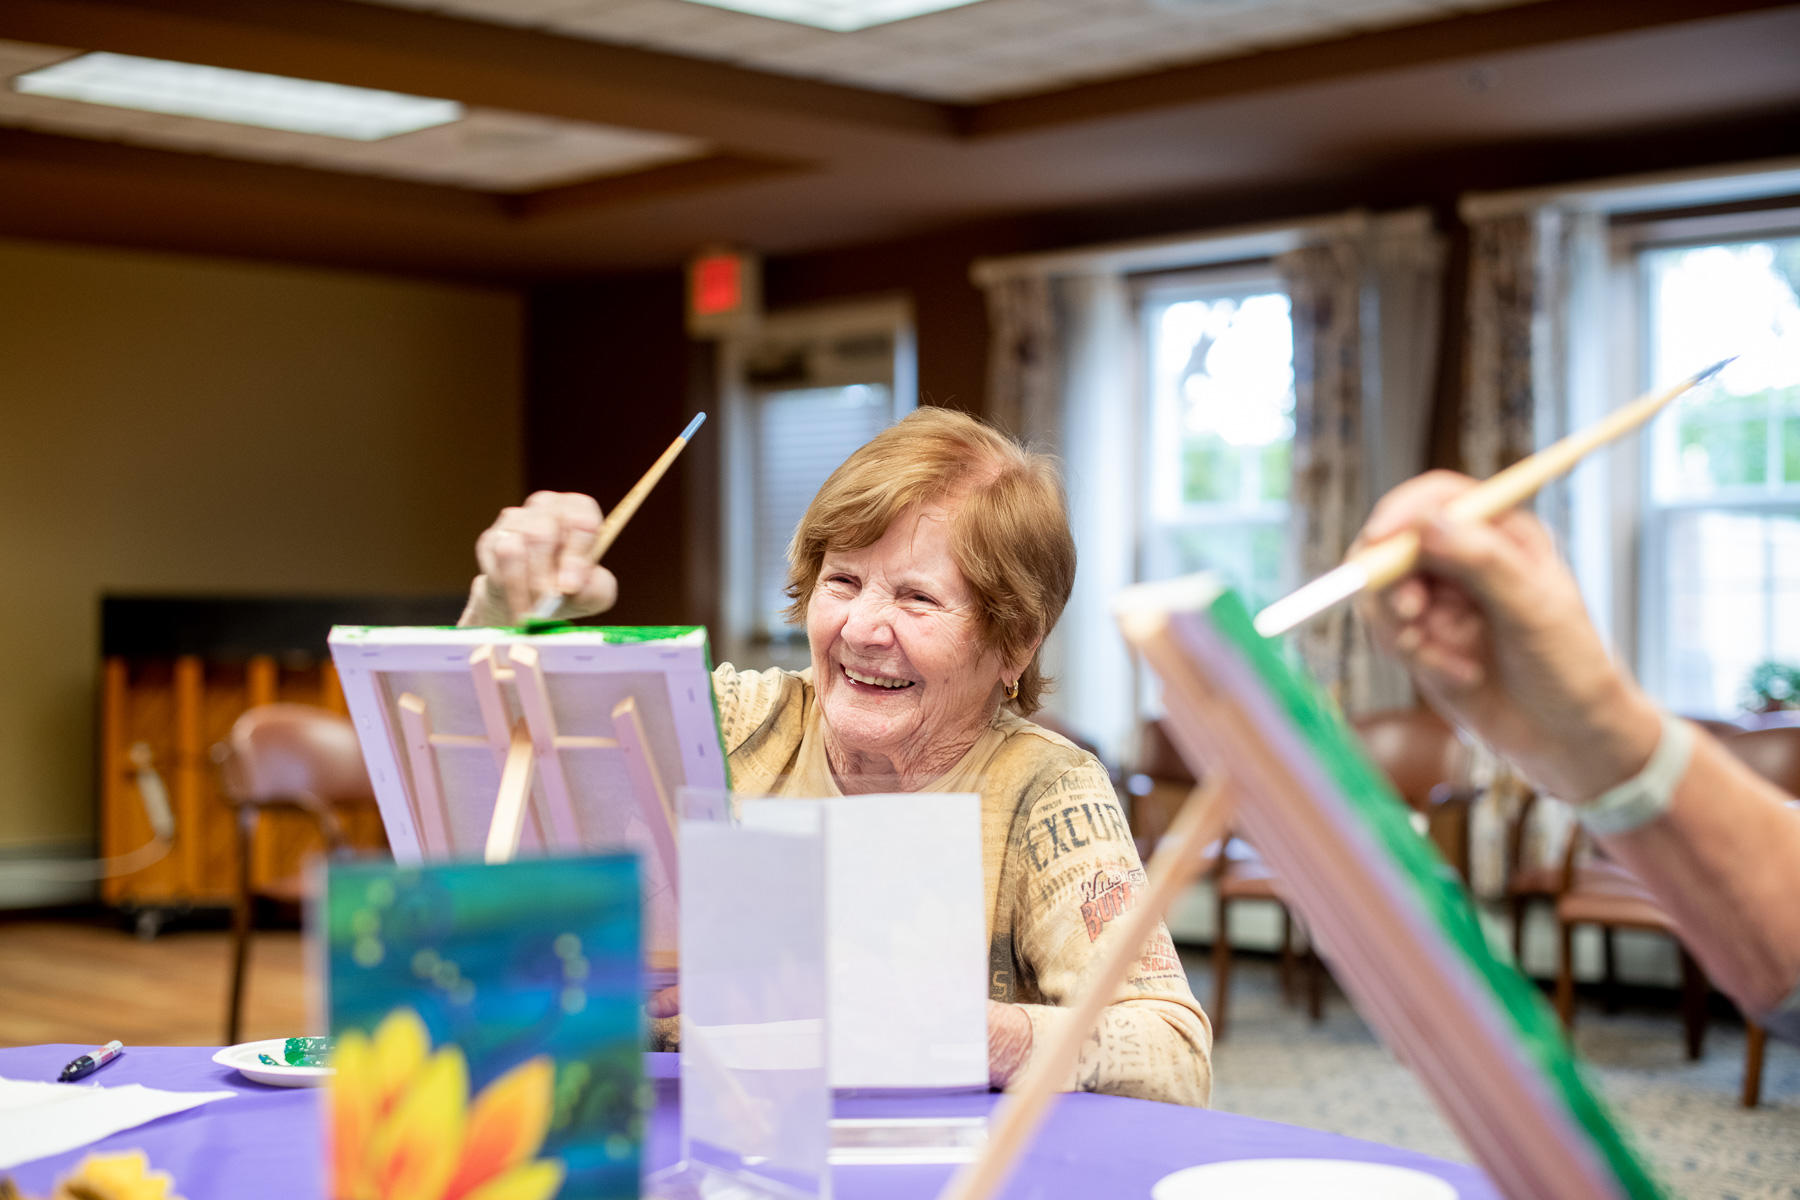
x,y
1150,294
1640,606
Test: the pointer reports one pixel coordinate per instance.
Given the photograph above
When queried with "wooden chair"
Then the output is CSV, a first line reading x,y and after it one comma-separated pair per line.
x,y
1428,763
1532,883
1422,757
1527,883
1155,790
1600,892
283,757
1771,749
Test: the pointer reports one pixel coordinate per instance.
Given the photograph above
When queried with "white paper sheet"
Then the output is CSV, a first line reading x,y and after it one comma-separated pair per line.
x,y
906,938
40,1119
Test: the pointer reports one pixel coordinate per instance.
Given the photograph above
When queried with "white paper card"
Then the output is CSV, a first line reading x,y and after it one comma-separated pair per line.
x,y
755,1099
40,1119
905,937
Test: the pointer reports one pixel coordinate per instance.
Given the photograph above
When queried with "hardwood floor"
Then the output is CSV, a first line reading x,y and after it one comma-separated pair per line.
x,y
88,981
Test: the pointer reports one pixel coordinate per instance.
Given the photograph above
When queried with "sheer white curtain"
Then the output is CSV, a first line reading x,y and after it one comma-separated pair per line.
x,y
1407,258
1099,415
1062,376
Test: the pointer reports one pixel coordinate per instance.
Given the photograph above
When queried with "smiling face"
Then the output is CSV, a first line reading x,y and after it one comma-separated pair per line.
x,y
905,683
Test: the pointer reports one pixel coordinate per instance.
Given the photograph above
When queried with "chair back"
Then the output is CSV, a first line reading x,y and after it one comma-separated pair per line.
x,y
1158,759
1158,783
1719,727
293,752
1772,751
1416,749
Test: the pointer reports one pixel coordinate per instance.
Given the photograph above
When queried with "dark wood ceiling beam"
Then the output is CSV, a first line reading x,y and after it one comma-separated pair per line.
x,y
111,174
1497,31
733,109
107,164
652,183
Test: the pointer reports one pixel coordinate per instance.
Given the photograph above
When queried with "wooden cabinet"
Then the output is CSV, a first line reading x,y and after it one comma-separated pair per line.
x,y
177,709
176,671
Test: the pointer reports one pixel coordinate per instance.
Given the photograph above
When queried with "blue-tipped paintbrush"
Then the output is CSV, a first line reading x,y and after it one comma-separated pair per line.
x,y
1376,566
621,513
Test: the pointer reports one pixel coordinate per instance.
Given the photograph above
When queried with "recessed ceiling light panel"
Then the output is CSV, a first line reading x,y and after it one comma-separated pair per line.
x,y
839,16
240,97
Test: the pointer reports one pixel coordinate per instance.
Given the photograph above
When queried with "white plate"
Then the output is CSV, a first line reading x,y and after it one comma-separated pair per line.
x,y
242,1059
1282,1178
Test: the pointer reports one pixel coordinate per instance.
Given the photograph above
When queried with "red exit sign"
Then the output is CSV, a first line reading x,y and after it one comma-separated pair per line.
x,y
723,293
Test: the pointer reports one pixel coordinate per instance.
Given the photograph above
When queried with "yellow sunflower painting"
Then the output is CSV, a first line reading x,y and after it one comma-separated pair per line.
x,y
404,1128
489,1026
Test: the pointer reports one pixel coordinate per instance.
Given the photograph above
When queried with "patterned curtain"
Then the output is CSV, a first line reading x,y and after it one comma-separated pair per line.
x,y
1498,365
1022,355
1329,500
1516,363
1517,355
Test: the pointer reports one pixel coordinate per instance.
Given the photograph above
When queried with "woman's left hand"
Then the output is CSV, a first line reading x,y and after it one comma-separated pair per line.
x,y
1009,1042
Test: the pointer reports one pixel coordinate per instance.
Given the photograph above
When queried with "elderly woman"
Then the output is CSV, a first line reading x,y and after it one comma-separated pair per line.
x,y
927,572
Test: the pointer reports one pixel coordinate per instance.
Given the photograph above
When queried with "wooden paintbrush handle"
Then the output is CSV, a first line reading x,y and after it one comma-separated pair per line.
x,y
1178,857
1392,558
628,505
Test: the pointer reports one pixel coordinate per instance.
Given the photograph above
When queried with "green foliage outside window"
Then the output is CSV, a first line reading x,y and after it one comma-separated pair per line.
x,y
1732,432
1213,471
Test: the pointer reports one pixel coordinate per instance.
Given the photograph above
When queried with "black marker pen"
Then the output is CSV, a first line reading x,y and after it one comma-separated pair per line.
x,y
90,1062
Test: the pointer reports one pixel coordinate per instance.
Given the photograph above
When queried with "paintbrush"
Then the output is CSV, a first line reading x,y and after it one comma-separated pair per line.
x,y
1376,566
614,524
1179,856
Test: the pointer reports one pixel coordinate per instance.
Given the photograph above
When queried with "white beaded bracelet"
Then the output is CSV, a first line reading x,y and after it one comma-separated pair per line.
x,y
1648,794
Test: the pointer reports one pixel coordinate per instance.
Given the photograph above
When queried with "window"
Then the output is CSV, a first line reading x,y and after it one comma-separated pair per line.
x,y
1220,431
800,436
1720,575
807,389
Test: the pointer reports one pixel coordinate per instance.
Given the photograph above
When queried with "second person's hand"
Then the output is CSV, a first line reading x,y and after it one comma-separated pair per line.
x,y
1493,630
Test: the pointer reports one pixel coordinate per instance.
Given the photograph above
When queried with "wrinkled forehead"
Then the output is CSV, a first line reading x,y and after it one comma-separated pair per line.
x,y
917,541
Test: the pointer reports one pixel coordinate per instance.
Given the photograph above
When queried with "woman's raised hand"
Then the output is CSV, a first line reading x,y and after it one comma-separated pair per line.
x,y
530,551
1493,629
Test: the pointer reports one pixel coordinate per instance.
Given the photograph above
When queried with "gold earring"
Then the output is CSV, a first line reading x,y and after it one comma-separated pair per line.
x,y
1012,690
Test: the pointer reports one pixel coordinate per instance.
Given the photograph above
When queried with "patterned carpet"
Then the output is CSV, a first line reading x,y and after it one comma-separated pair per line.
x,y
1277,1065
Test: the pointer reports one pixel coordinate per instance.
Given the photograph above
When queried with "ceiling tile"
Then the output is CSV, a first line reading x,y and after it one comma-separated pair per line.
x,y
1085,39
493,150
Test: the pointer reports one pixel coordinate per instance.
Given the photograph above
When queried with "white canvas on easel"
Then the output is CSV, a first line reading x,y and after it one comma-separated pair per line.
x,y
487,742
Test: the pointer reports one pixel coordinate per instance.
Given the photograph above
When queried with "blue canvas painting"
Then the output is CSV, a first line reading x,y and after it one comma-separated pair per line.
x,y
488,1026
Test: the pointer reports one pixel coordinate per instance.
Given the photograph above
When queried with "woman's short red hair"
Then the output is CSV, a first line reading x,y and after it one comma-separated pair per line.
x,y
1009,533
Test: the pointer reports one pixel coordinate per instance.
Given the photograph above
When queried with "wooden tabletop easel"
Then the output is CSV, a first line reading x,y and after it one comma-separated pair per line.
x,y
529,752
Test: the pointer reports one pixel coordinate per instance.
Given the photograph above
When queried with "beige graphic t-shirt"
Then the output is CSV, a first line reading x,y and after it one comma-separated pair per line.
x,y
1058,865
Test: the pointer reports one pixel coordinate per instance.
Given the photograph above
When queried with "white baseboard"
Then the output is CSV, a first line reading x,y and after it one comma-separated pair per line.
x,y
46,876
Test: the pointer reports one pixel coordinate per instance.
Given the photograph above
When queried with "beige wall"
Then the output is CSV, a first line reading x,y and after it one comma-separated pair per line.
x,y
177,424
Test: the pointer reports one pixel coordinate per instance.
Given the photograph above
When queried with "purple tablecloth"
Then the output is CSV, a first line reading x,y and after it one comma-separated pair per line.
x,y
264,1141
